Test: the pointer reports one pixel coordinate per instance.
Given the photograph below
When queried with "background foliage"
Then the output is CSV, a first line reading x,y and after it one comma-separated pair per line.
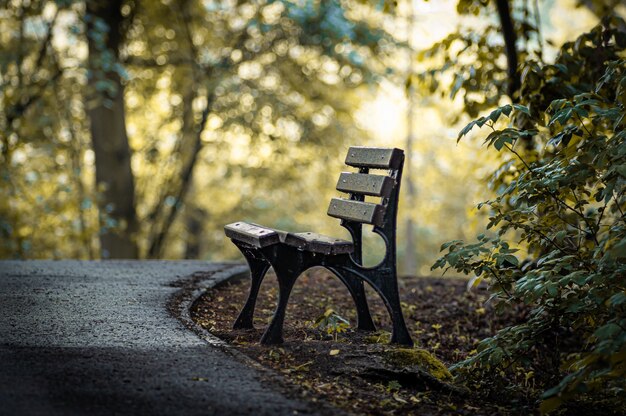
x,y
557,228
230,111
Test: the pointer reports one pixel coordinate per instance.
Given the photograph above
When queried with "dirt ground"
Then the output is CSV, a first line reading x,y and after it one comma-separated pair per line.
x,y
358,371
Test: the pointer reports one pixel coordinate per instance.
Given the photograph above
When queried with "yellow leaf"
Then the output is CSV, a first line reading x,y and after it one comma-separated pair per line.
x,y
474,282
334,352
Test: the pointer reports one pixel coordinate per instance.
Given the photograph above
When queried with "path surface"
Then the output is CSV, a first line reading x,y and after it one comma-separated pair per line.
x,y
96,338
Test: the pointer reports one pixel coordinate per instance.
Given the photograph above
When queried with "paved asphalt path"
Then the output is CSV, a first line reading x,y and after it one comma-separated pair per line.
x,y
98,338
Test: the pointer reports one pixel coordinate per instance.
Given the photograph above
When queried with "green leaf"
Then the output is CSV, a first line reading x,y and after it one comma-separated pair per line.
x,y
618,299
562,68
522,109
619,250
621,169
466,130
558,237
552,289
607,331
512,259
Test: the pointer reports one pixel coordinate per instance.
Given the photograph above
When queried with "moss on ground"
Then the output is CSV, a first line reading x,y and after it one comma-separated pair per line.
x,y
407,357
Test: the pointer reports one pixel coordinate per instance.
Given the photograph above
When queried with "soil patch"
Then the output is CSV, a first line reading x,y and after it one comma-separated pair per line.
x,y
358,371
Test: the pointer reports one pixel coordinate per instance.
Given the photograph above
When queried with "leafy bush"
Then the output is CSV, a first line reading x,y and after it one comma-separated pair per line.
x,y
557,228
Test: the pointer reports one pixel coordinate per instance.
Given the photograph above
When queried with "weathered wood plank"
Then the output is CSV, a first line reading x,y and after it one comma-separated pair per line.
x,y
358,211
374,157
360,183
319,243
252,234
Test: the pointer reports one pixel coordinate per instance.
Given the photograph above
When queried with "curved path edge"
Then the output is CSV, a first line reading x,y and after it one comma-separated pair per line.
x,y
97,338
192,288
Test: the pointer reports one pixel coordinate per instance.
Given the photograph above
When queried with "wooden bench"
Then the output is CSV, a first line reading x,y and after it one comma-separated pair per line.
x,y
292,253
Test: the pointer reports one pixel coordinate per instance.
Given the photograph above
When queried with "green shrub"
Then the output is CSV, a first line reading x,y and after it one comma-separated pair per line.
x,y
556,238
331,322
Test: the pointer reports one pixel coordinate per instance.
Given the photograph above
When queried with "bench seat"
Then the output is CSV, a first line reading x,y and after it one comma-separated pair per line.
x,y
260,236
251,234
319,243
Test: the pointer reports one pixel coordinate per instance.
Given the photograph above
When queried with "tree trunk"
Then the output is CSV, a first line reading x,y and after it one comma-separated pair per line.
x,y
105,108
194,221
510,39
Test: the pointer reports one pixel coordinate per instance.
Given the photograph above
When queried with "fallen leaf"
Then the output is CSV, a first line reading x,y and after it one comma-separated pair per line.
x,y
334,352
399,399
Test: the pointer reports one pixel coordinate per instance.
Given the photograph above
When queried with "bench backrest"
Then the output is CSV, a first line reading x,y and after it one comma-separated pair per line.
x,y
355,211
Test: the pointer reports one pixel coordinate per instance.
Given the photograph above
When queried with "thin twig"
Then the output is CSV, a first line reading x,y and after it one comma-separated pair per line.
x,y
619,208
583,124
495,275
591,229
15,111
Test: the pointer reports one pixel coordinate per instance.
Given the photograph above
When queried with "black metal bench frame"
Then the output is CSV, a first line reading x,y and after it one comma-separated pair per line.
x,y
290,254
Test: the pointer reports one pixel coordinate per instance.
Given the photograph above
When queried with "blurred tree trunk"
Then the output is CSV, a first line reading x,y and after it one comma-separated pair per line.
x,y
510,38
194,221
190,146
105,109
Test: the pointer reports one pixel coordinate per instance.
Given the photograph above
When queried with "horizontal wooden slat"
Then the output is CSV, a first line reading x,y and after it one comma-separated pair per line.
x,y
360,183
319,243
374,157
358,211
252,234
259,236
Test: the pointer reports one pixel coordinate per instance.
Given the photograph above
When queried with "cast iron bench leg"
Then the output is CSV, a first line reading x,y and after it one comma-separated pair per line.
x,y
286,278
258,268
387,287
389,290
357,290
